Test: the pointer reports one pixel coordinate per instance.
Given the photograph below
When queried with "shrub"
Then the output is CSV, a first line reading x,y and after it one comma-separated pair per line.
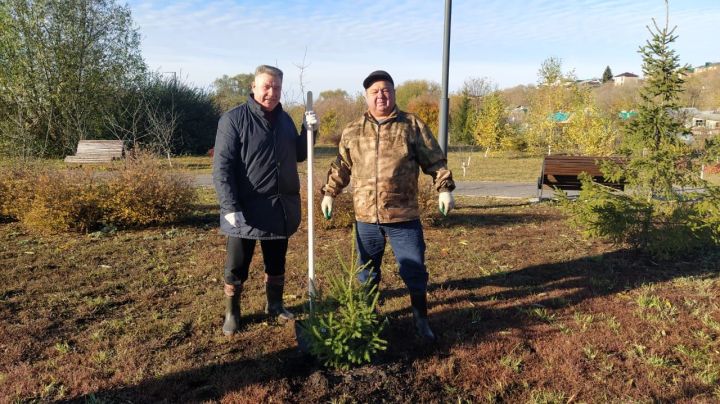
x,y
343,328
662,228
16,190
144,193
140,193
64,201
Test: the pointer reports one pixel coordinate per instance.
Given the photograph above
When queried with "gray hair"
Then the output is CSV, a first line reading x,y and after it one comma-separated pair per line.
x,y
271,70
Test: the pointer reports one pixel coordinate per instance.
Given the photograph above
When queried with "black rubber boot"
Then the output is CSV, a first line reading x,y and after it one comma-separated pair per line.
x,y
274,288
420,316
232,309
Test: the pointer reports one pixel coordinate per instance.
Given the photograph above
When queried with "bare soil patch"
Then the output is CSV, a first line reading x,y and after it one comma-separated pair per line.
x,y
526,309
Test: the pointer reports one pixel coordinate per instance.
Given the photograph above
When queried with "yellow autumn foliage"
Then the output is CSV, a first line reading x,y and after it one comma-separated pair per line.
x,y
141,193
145,193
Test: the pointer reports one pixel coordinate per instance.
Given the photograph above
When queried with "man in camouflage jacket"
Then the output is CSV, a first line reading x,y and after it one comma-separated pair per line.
x,y
381,155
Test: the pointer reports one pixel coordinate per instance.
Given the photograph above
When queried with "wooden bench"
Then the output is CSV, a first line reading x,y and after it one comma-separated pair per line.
x,y
562,172
97,151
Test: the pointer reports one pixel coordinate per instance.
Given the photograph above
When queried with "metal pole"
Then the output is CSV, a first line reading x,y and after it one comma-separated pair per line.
x,y
310,197
444,102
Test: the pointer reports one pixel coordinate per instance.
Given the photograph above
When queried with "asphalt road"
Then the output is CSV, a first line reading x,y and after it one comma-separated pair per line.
x,y
520,190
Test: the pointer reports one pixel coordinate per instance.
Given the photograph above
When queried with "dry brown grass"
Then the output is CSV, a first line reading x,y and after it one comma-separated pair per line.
x,y
526,309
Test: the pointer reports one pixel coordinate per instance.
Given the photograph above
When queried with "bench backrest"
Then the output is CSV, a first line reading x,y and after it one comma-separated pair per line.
x,y
110,148
563,171
574,165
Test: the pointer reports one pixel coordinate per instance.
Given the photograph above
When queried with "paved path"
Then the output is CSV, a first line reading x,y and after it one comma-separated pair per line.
x,y
522,190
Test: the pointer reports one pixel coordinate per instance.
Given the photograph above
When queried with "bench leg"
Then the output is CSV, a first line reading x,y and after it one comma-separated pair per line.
x,y
540,189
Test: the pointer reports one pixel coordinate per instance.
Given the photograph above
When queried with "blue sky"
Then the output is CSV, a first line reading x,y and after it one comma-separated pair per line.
x,y
342,41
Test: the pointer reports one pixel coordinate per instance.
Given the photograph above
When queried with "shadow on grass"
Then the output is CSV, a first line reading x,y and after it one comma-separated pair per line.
x,y
555,286
552,286
462,219
208,383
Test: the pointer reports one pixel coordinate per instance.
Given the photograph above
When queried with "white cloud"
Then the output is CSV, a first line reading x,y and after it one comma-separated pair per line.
x,y
503,40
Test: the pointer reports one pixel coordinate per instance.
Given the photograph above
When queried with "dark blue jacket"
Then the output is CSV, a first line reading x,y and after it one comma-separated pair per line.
x,y
255,171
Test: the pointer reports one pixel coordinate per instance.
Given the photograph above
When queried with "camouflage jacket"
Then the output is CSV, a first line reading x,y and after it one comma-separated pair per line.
x,y
382,161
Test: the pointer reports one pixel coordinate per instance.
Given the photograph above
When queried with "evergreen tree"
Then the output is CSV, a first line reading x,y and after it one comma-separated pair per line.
x,y
652,140
607,75
660,213
458,121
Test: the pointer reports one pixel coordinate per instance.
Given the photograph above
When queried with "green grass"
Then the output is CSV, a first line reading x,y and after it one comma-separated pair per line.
x,y
499,167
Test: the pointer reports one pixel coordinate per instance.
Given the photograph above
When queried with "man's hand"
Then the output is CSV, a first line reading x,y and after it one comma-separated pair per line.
x,y
310,120
446,202
233,218
326,206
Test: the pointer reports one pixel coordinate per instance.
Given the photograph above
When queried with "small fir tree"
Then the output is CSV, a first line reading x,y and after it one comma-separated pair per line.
x,y
343,328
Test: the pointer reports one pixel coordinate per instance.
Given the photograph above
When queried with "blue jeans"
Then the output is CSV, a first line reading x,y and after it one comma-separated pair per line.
x,y
408,245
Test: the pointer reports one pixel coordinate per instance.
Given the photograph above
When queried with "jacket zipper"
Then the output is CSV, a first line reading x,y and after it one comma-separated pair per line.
x,y
377,173
277,177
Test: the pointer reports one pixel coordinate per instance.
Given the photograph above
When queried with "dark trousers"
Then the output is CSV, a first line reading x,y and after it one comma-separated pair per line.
x,y
240,253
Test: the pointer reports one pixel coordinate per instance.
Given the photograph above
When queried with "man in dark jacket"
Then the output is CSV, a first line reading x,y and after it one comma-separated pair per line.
x,y
257,149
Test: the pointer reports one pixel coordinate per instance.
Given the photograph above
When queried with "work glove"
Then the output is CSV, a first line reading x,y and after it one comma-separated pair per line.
x,y
446,202
310,120
326,206
233,218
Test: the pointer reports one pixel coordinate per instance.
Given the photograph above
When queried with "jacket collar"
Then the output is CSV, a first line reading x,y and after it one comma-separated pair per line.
x,y
393,115
257,109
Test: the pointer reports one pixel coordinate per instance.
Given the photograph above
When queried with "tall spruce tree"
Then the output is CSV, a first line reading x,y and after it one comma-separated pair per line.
x,y
662,212
653,140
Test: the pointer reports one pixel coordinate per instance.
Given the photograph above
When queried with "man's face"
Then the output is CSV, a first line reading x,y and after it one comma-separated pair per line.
x,y
266,91
380,97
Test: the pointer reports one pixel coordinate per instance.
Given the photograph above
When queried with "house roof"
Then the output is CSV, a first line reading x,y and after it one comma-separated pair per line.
x,y
626,74
560,117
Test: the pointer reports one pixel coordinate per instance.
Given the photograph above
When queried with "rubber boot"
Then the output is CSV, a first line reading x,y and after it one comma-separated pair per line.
x,y
274,288
232,309
420,316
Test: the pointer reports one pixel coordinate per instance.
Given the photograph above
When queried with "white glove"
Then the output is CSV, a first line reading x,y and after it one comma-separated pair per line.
x,y
310,120
326,206
446,202
233,218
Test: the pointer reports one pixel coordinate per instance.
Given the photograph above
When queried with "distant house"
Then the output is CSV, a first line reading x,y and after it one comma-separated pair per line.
x,y
708,66
589,82
517,114
625,78
625,115
706,119
560,117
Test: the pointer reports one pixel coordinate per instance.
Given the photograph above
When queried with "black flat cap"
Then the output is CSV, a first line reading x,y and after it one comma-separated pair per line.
x,y
377,75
